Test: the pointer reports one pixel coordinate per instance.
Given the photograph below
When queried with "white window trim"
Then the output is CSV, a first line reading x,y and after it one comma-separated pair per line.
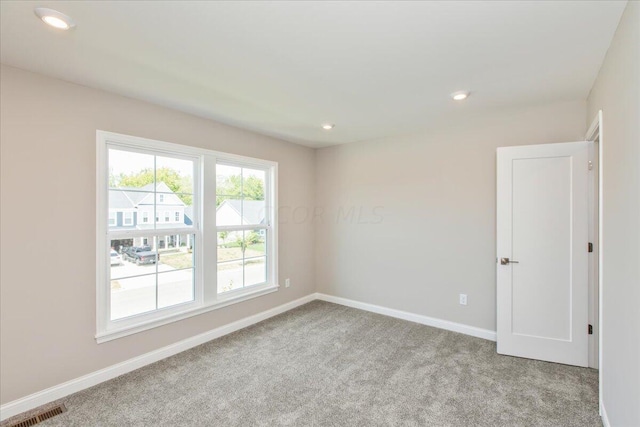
x,y
206,295
144,215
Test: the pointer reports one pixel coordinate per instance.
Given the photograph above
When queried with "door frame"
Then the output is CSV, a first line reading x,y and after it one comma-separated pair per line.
x,y
595,134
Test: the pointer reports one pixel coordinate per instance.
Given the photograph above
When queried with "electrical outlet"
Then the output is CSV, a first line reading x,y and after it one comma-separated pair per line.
x,y
287,283
463,299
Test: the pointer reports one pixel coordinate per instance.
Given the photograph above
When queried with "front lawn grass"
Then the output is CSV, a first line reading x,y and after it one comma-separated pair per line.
x,y
177,260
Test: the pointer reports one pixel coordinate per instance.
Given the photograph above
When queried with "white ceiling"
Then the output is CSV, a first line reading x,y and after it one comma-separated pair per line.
x,y
375,69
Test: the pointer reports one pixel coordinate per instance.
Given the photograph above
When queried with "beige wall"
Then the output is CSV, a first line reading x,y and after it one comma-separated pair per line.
x,y
617,93
406,223
436,196
48,136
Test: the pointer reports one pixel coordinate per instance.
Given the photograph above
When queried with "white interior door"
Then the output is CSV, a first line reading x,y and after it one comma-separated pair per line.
x,y
542,252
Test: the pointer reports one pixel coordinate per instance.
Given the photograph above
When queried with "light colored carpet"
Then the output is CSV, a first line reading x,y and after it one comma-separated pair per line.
x,y
325,364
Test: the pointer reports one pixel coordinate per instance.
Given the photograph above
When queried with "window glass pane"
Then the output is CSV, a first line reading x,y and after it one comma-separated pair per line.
x,y
230,245
132,257
134,272
113,217
255,241
228,181
126,209
228,195
127,218
133,296
241,259
174,175
253,212
230,276
132,178
178,252
240,196
119,245
174,210
116,262
228,211
175,287
253,184
253,204
128,169
255,271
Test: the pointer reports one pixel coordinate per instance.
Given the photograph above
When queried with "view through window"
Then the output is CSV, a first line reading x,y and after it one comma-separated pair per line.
x,y
242,224
185,230
154,266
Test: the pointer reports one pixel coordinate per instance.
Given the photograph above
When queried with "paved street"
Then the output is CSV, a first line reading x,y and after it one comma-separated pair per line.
x,y
135,295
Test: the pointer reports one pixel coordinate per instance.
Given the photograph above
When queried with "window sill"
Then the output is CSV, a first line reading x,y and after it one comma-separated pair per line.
x,y
223,301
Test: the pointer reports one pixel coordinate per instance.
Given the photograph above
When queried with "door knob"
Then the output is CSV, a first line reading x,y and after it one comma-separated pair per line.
x,y
505,261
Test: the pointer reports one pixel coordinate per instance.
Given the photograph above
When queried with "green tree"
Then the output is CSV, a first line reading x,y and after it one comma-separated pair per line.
x,y
176,182
224,235
233,187
252,238
242,244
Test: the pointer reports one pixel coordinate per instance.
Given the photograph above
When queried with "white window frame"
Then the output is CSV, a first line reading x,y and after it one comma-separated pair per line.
x,y
145,217
266,229
176,216
113,215
206,297
167,216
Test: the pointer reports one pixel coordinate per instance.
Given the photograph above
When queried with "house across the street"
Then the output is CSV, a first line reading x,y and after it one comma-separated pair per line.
x,y
237,212
133,208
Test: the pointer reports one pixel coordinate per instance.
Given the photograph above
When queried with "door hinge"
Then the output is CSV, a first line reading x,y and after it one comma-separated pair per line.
x,y
590,165
590,247
590,330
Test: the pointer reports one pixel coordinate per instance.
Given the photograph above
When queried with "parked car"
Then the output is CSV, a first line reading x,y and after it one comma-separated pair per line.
x,y
140,255
116,259
146,257
128,252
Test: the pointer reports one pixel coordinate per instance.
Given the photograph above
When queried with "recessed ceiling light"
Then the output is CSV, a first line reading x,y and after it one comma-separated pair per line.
x,y
54,18
460,95
328,126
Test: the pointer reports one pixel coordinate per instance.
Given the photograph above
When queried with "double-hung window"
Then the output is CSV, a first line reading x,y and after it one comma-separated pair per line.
x,y
243,225
220,249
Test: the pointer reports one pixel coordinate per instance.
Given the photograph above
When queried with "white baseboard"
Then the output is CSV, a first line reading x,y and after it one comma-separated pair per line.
x,y
603,415
412,317
43,397
59,391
